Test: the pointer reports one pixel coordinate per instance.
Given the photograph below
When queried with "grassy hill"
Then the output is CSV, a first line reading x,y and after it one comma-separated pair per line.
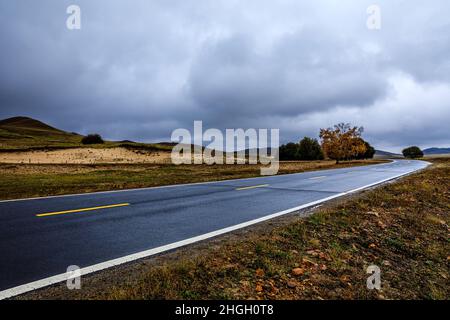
x,y
23,133
27,124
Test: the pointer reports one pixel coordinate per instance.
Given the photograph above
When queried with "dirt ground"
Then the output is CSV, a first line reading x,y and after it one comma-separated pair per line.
x,y
112,155
84,156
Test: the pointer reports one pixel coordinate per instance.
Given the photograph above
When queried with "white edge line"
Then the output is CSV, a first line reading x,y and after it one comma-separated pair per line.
x,y
147,253
191,184
320,177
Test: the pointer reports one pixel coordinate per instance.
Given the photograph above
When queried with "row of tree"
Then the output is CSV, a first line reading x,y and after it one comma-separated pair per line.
x,y
306,149
342,142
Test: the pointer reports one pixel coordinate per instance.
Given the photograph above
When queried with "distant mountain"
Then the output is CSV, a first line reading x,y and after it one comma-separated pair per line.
x,y
386,154
260,150
430,151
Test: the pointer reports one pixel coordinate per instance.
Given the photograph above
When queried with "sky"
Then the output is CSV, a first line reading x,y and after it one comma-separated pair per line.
x,y
140,69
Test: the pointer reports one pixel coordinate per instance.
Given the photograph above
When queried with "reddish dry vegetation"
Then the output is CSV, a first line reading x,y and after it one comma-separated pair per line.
x,y
402,227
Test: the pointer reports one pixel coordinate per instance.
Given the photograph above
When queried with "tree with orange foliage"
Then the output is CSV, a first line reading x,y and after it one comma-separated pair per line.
x,y
342,142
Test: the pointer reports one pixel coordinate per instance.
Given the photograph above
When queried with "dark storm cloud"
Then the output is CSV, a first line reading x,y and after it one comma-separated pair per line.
x,y
231,76
139,69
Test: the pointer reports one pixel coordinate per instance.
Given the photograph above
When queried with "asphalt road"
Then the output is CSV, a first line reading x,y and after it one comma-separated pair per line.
x,y
40,238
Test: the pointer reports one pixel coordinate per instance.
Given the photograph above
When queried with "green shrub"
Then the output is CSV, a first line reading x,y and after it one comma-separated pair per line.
x,y
289,151
412,152
92,139
310,149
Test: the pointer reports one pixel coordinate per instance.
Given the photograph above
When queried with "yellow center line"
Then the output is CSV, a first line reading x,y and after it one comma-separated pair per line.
x,y
321,177
82,210
252,187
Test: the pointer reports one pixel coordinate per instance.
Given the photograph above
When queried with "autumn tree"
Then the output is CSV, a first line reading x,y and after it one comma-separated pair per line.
x,y
368,153
342,142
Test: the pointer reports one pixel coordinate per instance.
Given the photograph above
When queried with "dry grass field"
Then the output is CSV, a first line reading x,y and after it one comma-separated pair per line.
x,y
36,180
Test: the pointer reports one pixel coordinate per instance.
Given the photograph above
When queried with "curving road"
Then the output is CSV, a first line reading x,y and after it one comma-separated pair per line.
x,y
40,238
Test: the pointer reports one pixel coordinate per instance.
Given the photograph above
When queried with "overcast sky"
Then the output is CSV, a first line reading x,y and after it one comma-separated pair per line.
x,y
139,69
